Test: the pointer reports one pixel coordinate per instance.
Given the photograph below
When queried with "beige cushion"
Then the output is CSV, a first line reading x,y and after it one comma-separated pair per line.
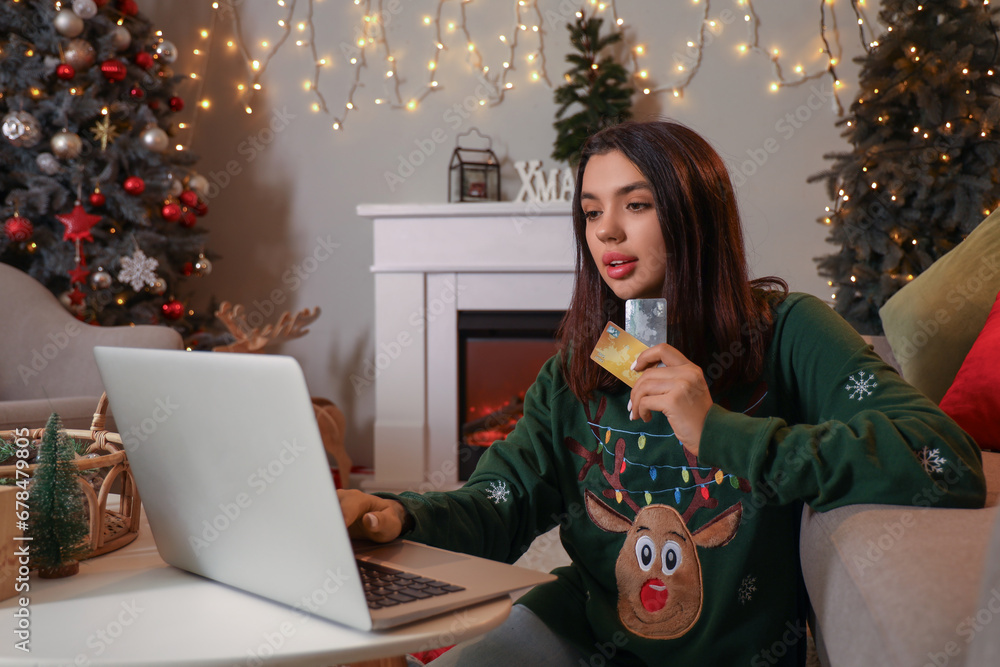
x,y
932,322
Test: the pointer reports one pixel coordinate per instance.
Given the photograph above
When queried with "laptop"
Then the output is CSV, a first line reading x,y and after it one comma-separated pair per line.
x,y
230,466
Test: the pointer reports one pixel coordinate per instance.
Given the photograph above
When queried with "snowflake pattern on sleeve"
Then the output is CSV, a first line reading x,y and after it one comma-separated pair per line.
x,y
861,386
747,588
931,460
498,492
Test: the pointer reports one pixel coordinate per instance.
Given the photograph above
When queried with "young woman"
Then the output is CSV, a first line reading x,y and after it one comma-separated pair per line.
x,y
679,499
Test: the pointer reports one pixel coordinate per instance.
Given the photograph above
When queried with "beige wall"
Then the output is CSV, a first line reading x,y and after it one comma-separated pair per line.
x,y
294,196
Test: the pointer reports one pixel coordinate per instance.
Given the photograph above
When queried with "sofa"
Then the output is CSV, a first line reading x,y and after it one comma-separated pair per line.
x,y
920,586
48,361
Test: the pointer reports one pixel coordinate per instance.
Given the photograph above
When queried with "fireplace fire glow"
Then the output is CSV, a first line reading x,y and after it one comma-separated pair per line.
x,y
500,354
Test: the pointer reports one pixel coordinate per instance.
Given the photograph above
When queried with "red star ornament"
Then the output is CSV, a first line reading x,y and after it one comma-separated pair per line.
x,y
76,297
78,275
78,224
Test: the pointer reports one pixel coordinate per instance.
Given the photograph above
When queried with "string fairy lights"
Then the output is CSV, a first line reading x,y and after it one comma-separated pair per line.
x,y
204,52
450,31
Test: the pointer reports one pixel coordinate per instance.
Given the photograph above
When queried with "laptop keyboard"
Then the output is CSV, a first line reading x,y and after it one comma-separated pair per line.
x,y
387,587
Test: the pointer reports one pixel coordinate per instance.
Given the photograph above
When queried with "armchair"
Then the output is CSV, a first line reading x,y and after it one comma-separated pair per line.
x,y
48,362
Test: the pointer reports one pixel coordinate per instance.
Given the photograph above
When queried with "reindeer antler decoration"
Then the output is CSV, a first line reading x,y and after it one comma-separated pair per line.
x,y
255,339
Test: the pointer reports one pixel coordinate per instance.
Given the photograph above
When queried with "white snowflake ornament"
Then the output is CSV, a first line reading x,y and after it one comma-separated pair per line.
x,y
498,492
861,386
138,270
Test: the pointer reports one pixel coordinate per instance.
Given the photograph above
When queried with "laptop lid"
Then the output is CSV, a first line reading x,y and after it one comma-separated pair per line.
x,y
230,466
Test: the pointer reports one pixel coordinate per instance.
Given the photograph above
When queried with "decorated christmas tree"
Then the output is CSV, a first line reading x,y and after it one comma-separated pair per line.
x,y
57,523
596,89
98,201
924,167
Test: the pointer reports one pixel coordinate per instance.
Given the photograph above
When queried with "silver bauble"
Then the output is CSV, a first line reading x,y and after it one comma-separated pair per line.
x,y
158,287
85,9
66,145
22,129
67,23
203,266
48,164
155,139
199,184
174,187
166,51
100,279
79,53
121,38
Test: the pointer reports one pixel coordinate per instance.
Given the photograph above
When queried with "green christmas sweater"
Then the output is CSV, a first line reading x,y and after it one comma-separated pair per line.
x,y
683,561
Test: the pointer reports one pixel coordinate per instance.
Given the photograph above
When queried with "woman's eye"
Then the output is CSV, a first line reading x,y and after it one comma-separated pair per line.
x,y
637,206
591,215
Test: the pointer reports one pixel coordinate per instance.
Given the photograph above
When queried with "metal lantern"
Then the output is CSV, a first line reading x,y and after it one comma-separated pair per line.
x,y
474,173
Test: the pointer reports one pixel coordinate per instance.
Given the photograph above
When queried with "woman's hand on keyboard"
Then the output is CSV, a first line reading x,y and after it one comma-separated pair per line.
x,y
371,517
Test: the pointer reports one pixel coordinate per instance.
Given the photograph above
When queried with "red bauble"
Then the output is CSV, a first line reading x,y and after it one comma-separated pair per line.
x,y
137,93
17,228
113,70
128,7
134,185
188,219
189,198
65,71
171,212
172,310
97,199
201,208
154,105
187,269
144,59
176,104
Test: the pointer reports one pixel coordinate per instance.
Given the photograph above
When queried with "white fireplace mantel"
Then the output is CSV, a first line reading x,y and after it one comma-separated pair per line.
x,y
430,262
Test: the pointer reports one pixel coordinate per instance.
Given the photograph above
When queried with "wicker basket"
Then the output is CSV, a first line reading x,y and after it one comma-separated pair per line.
x,y
109,529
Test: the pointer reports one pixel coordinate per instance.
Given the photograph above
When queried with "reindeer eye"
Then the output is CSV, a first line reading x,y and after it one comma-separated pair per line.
x,y
645,552
671,557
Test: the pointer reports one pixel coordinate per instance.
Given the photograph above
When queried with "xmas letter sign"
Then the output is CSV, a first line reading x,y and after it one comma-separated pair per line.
x,y
536,188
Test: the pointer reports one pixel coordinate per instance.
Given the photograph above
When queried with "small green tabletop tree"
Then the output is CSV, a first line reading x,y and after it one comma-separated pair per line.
x,y
57,520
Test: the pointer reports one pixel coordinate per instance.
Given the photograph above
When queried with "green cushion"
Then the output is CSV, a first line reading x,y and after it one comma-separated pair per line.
x,y
932,322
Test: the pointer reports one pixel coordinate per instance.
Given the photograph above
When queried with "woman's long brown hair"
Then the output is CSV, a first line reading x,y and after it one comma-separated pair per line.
x,y
718,318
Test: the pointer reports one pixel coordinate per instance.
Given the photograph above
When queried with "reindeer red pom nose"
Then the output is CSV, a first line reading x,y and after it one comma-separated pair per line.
x,y
654,595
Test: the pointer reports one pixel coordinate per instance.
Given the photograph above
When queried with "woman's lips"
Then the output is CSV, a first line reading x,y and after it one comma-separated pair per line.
x,y
621,270
618,265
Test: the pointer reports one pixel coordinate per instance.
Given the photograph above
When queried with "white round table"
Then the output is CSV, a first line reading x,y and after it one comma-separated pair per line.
x,y
130,608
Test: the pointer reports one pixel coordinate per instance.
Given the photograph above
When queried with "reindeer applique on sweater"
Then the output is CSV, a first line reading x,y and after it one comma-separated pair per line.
x,y
658,571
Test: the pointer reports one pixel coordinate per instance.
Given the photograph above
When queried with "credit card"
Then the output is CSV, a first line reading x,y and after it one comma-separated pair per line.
x,y
616,351
646,319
